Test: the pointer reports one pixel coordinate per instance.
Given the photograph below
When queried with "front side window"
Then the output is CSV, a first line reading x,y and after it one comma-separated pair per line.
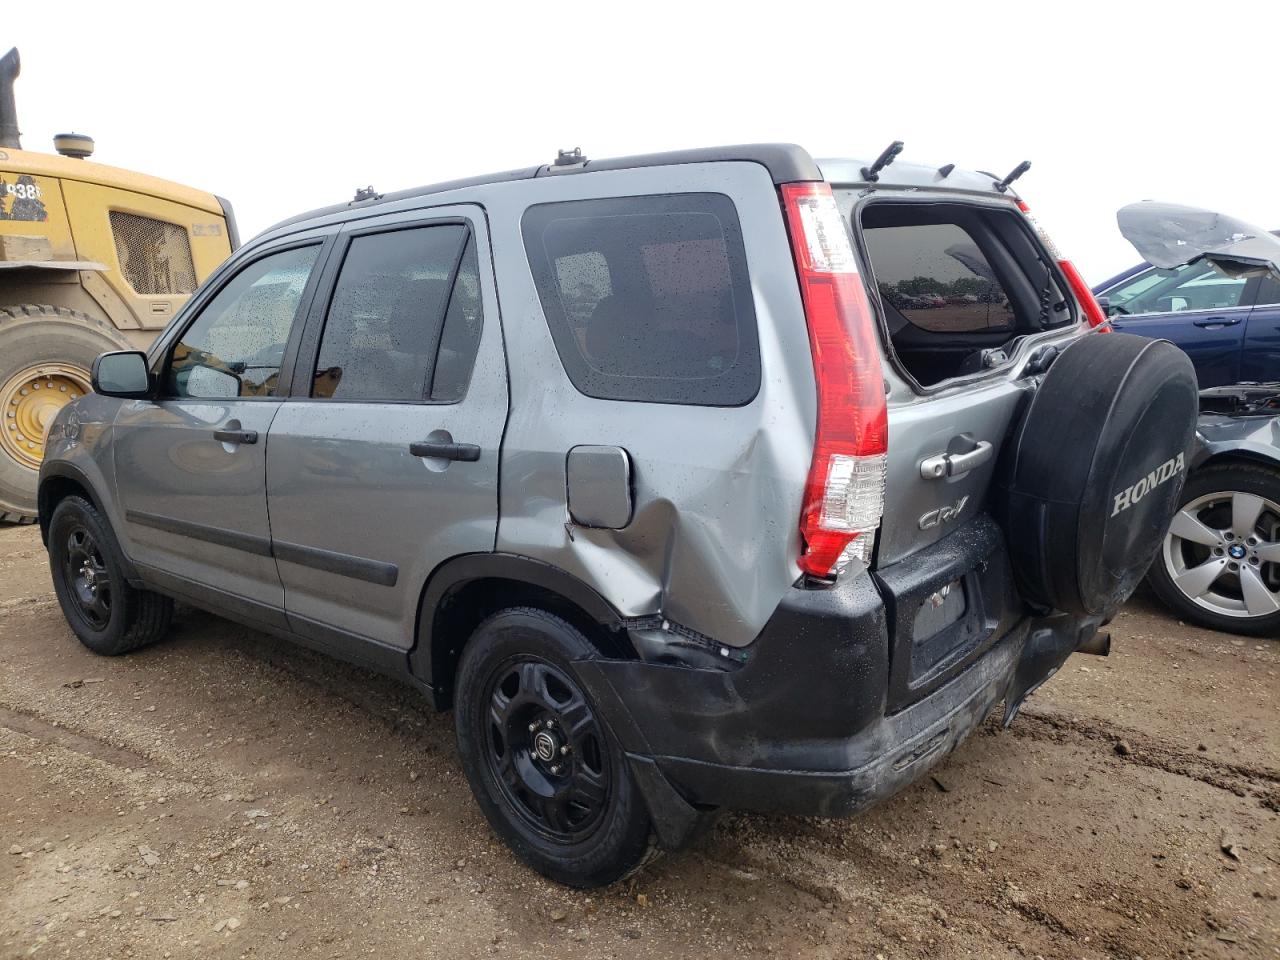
x,y
401,298
1192,286
236,344
648,298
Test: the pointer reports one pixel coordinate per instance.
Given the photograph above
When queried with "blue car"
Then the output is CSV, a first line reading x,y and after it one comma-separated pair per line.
x,y
1228,325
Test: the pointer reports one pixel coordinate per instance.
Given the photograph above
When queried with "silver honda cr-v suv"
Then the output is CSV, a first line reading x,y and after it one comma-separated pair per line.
x,y
720,478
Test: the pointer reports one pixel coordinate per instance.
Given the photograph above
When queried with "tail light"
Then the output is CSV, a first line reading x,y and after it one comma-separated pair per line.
x,y
844,494
1079,289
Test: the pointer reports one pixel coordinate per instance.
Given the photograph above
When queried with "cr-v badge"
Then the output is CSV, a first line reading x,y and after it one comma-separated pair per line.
x,y
936,518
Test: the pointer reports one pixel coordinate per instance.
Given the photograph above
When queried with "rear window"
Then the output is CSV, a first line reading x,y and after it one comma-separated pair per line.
x,y
938,279
959,282
648,298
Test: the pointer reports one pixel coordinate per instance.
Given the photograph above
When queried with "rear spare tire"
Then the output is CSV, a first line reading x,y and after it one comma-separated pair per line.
x,y
1097,465
46,354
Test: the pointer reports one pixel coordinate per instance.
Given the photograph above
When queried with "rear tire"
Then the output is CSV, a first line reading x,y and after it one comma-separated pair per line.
x,y
543,766
33,338
105,613
1208,500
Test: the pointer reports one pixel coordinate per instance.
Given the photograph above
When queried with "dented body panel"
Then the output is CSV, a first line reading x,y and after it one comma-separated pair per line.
x,y
713,540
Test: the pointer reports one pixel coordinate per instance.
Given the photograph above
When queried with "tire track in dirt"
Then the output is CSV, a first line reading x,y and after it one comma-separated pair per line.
x,y
30,725
1142,749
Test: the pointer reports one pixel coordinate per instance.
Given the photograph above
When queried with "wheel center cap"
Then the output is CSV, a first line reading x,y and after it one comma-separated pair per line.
x,y
1237,551
545,746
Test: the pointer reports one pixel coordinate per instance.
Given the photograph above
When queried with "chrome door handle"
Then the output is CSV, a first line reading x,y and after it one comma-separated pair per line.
x,y
954,464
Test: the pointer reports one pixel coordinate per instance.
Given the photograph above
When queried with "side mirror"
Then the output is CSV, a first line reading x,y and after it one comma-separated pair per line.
x,y
122,373
1104,302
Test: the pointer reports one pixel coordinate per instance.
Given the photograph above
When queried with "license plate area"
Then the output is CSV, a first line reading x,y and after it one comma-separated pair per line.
x,y
947,605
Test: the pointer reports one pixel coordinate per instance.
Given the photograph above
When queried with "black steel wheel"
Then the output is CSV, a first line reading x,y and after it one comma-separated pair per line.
x,y
108,615
546,749
541,760
84,569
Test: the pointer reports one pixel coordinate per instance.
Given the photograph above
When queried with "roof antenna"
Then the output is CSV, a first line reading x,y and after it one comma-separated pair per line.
x,y
872,173
1014,174
944,171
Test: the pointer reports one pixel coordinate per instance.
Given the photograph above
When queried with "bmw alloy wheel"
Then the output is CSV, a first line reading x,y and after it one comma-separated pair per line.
x,y
1223,554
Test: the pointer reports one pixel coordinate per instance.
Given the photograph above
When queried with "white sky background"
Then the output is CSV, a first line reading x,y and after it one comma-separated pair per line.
x,y
282,107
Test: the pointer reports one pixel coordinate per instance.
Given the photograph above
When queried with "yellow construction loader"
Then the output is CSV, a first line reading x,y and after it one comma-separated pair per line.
x,y
92,258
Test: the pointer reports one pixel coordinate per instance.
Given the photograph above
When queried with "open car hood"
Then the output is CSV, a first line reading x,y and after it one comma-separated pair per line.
x,y
1168,235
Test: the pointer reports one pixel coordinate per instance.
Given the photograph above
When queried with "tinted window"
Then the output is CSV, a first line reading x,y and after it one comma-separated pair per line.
x,y
235,345
385,317
648,298
937,278
461,336
1193,286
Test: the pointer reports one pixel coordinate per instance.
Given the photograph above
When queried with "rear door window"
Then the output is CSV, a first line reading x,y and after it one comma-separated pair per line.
x,y
648,298
395,307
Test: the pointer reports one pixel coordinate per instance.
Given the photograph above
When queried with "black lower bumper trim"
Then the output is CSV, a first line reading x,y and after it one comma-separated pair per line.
x,y
803,727
897,751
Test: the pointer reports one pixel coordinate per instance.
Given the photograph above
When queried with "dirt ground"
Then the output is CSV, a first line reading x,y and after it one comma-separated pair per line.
x,y
226,795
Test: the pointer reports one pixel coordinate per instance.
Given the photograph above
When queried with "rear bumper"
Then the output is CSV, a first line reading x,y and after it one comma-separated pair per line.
x,y
808,725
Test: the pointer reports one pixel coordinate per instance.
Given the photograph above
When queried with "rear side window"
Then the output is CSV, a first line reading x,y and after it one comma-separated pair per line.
x,y
648,298
387,319
938,279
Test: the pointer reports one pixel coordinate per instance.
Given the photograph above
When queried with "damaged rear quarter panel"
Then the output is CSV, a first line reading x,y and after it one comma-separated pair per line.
x,y
714,538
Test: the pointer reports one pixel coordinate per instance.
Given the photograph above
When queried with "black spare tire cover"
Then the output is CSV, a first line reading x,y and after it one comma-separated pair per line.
x,y
1099,460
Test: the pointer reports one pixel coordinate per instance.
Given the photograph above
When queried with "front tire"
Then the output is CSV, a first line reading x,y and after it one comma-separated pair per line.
x,y
105,613
542,764
1219,567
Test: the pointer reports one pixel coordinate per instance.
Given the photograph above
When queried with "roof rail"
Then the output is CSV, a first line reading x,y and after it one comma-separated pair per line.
x,y
785,163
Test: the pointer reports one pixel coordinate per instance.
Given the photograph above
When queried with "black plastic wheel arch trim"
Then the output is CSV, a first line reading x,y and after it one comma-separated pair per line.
x,y
58,469
430,650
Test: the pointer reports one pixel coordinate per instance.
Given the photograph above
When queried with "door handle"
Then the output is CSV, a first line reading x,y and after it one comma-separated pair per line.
x,y
1215,322
233,434
467,452
954,464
